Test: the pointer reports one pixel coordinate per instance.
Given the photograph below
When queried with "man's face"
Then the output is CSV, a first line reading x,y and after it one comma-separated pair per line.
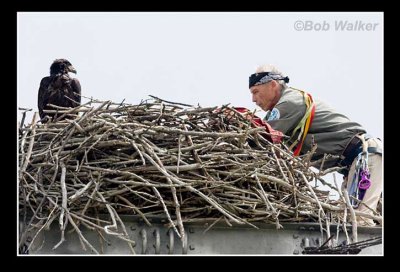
x,y
264,95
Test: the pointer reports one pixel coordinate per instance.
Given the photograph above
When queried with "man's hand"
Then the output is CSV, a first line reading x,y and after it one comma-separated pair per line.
x,y
242,117
226,118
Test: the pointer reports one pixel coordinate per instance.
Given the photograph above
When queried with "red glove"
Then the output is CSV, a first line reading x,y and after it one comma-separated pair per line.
x,y
274,136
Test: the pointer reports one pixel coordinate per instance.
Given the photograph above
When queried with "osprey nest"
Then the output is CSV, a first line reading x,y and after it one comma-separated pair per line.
x,y
165,159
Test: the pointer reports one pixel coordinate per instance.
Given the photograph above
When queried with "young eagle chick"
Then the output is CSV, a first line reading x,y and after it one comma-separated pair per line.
x,y
58,89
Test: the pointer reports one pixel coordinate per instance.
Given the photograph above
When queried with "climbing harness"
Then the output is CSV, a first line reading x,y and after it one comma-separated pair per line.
x,y
305,123
361,177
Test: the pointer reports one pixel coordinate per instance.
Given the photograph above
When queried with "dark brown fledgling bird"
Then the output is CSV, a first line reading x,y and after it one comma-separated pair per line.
x,y
58,89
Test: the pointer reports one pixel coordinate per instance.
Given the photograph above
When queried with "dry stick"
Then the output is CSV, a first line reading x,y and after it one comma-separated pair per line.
x,y
367,215
309,155
337,233
152,146
174,103
130,242
80,191
279,165
30,147
64,195
268,204
93,111
92,146
192,147
105,123
97,227
23,226
64,208
112,215
352,216
162,108
64,142
321,228
190,188
138,151
345,210
66,129
21,125
126,173
81,120
215,222
23,236
22,146
88,222
286,153
135,209
95,190
291,178
317,177
328,229
311,190
319,161
195,111
157,129
330,170
276,214
172,168
179,153
92,226
40,246
67,111
126,189
82,238
365,205
325,205
43,227
322,164
196,155
157,193
93,127
173,189
78,127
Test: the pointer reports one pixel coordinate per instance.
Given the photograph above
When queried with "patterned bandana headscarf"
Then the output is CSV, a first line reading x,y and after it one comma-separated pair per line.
x,y
264,77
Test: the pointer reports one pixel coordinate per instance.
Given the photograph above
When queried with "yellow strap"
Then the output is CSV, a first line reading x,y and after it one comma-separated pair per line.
x,y
304,123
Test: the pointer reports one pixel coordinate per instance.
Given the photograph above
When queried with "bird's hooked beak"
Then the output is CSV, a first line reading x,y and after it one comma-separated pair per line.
x,y
71,69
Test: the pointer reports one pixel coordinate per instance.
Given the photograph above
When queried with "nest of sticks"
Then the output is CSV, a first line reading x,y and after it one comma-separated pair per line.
x,y
160,158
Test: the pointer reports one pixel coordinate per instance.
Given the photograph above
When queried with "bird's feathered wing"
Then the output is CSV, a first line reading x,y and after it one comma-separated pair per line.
x,y
43,97
76,91
60,90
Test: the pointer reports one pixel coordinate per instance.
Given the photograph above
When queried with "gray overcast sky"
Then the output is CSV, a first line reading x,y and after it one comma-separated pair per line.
x,y
206,58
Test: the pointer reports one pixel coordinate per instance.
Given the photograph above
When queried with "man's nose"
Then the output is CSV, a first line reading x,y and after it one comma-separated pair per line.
x,y
253,97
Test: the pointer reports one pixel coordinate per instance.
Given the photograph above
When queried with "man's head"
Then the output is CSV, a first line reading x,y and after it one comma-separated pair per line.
x,y
266,86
